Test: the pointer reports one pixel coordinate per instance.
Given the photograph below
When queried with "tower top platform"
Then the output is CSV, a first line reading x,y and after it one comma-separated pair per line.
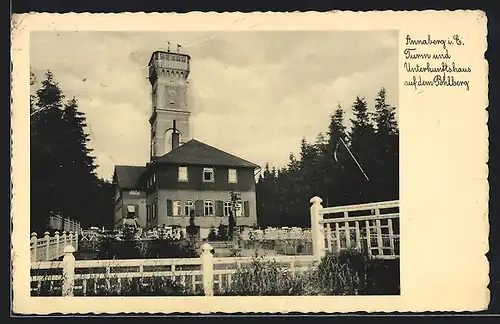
x,y
161,55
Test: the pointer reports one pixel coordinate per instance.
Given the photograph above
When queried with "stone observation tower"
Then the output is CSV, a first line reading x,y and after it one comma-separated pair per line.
x,y
168,72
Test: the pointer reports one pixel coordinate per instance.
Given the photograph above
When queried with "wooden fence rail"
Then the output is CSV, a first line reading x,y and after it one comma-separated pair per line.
x,y
373,227
200,275
51,247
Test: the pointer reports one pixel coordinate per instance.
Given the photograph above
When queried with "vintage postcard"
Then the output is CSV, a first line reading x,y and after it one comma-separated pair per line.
x,y
262,162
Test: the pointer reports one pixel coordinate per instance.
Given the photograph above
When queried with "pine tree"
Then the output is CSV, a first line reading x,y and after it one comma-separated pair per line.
x,y
336,129
362,138
45,151
62,170
336,177
265,195
387,148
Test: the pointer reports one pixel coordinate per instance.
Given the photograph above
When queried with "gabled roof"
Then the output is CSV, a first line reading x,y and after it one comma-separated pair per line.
x,y
127,176
197,153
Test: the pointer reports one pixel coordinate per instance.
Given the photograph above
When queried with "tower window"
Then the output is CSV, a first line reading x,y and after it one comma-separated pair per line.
x,y
183,174
232,176
208,175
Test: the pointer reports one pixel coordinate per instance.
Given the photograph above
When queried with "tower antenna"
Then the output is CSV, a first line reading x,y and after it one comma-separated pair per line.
x,y
168,49
178,48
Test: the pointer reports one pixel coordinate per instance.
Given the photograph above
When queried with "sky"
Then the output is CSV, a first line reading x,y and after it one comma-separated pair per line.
x,y
252,94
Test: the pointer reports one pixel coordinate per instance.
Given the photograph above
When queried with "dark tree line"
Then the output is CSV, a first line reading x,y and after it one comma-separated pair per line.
x,y
326,168
62,173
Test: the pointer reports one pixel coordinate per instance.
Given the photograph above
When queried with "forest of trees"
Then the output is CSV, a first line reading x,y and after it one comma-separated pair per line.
x,y
326,169
63,179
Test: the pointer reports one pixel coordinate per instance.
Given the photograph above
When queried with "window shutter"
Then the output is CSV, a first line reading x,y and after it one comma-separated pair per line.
x,y
246,209
219,208
136,206
198,208
169,207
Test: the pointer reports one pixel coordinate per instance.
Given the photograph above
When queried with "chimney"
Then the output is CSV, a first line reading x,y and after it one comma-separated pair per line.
x,y
175,137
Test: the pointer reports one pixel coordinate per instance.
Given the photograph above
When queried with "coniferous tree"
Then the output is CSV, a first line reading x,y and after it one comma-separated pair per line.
x,y
362,145
326,168
62,170
46,149
387,148
336,177
265,195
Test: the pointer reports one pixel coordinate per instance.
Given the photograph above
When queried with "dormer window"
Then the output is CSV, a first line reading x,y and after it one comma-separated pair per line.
x,y
208,175
232,176
183,174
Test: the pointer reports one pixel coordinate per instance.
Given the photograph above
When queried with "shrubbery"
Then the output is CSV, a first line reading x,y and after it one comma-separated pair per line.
x,y
349,272
128,247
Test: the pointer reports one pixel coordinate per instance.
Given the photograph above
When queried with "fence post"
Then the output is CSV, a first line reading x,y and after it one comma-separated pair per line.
x,y
47,246
317,230
207,267
64,238
76,241
68,271
34,241
71,238
58,246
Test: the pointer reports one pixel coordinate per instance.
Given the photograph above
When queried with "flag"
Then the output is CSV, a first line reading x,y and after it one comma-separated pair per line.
x,y
343,156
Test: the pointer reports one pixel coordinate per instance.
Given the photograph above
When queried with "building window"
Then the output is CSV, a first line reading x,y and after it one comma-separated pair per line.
x,y
183,174
232,176
188,206
177,208
154,211
148,216
131,210
208,175
209,208
227,208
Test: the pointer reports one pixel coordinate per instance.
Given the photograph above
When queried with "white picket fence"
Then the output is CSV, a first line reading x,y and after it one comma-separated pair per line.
x,y
374,227
203,275
51,247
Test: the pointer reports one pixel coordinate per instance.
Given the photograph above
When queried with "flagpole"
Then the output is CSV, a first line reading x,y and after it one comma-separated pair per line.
x,y
359,166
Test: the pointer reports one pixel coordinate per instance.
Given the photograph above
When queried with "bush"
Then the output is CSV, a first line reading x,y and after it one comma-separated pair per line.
x,y
212,235
266,278
383,277
150,286
170,248
342,273
166,247
349,272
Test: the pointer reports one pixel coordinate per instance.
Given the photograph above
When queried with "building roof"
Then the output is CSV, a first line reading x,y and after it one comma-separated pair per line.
x,y
197,153
127,176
